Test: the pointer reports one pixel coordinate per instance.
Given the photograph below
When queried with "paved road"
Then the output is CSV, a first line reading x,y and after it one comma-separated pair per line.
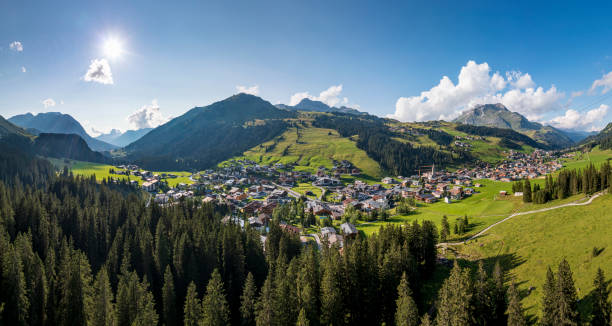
x,y
288,190
521,213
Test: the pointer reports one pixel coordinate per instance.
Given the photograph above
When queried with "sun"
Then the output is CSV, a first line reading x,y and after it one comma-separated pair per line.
x,y
113,48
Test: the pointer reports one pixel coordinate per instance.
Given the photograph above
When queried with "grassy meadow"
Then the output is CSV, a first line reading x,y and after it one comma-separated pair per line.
x,y
528,244
101,171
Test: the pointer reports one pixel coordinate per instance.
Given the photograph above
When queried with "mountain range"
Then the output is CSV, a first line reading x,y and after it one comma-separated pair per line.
x,y
58,123
309,105
72,146
497,115
122,139
206,135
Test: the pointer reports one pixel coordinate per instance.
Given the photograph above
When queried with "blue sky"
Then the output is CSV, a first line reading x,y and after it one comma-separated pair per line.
x,y
550,61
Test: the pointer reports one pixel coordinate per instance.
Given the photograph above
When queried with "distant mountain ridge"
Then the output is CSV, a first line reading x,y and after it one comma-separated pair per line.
x,y
204,136
122,139
497,115
72,146
318,106
56,122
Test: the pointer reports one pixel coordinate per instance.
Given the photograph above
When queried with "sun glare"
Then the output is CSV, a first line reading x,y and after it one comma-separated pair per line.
x,y
113,48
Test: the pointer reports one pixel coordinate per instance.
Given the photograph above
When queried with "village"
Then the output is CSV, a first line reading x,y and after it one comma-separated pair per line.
x,y
253,191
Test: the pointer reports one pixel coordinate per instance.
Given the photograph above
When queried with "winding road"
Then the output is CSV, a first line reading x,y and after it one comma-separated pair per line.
x,y
444,244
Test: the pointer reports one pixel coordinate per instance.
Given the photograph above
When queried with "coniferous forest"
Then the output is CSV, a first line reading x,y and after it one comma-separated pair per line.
x,y
74,251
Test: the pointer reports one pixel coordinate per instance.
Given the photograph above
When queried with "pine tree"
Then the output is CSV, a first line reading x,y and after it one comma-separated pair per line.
x,y
498,294
169,299
407,313
549,300
193,307
484,305
247,301
445,231
454,299
331,291
567,299
601,305
103,307
302,319
426,320
527,191
516,316
265,314
215,311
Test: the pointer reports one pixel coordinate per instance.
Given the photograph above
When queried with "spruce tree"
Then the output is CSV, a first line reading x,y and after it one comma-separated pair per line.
x,y
192,311
454,299
302,319
265,314
567,299
549,300
426,320
445,230
247,301
406,313
516,316
215,311
484,305
169,299
527,191
601,305
103,307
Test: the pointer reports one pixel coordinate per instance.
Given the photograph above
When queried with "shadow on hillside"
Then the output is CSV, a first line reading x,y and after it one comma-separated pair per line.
x,y
431,287
585,305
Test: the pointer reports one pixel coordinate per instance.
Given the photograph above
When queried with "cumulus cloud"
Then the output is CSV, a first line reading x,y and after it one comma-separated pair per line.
x,y
148,116
330,96
605,83
48,103
100,72
23,69
16,46
590,120
253,90
477,84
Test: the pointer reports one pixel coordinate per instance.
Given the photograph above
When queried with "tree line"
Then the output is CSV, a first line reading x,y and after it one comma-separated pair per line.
x,y
507,134
567,183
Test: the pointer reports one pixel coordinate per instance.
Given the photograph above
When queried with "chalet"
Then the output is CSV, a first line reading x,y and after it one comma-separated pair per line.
x,y
327,231
290,228
456,193
150,186
349,230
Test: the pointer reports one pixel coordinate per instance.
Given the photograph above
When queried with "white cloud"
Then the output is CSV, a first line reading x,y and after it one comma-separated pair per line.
x,y
16,46
48,103
23,69
100,72
590,120
253,90
477,84
330,96
605,82
148,116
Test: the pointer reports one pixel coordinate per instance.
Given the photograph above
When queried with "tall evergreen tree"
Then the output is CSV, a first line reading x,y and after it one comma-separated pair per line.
x,y
406,313
527,191
302,320
498,294
454,299
549,300
567,299
265,313
516,316
247,301
192,310
601,305
445,230
215,310
103,308
169,299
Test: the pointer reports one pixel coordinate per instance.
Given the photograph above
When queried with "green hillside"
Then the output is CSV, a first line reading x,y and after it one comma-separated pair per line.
x,y
529,244
311,147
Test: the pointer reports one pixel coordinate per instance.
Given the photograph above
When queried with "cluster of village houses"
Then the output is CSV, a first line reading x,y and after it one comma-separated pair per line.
x,y
254,191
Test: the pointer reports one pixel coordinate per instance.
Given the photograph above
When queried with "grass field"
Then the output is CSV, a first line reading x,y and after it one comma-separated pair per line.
x,y
581,160
310,148
303,188
528,244
101,171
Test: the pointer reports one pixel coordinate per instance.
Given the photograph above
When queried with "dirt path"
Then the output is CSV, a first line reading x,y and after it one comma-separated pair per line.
x,y
576,203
